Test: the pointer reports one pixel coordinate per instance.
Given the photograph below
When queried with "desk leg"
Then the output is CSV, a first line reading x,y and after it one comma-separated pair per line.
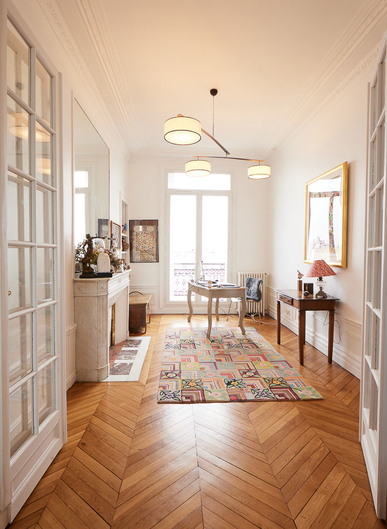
x,y
301,335
217,309
330,335
209,314
242,314
278,322
189,304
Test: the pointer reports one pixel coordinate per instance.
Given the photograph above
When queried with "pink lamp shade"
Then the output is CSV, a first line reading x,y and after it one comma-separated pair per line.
x,y
320,268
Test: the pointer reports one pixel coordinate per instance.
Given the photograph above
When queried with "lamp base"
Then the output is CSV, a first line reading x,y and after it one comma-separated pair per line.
x,y
321,284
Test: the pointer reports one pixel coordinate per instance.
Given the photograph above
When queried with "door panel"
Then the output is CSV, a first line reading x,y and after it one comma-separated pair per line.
x,y
32,398
374,371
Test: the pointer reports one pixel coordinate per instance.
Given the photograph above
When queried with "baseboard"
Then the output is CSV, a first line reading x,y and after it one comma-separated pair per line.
x,y
40,466
347,352
70,380
183,309
4,519
71,373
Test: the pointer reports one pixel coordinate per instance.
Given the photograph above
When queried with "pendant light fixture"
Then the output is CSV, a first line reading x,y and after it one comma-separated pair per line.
x,y
198,168
184,130
259,172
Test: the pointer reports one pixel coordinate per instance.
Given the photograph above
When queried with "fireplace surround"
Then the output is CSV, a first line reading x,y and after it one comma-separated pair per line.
x,y
92,301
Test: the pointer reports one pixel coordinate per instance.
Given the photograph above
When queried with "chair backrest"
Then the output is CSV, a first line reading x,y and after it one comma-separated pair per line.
x,y
253,291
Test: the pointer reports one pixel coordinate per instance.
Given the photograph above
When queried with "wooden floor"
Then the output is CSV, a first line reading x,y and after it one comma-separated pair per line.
x,y
132,463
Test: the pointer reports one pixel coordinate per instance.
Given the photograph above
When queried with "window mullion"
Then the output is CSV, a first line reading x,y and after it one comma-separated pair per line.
x,y
33,239
199,226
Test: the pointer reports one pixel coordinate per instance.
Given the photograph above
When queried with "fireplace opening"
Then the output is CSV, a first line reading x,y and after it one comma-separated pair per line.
x,y
112,333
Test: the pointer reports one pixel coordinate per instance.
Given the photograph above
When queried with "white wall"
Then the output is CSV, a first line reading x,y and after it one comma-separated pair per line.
x,y
54,38
336,133
249,239
268,223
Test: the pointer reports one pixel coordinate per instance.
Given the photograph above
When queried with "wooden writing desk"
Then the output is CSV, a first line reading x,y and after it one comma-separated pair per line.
x,y
217,293
303,304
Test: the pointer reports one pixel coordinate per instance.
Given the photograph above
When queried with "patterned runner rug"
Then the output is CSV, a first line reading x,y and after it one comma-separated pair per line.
x,y
229,367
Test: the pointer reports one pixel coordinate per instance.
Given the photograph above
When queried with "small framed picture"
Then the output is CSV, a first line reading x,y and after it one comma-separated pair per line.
x,y
115,231
144,241
103,228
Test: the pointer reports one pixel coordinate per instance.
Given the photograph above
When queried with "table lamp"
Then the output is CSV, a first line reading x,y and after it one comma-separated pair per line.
x,y
319,269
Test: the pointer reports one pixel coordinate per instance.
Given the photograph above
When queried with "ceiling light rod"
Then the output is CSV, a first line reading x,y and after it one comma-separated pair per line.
x,y
213,92
209,135
231,158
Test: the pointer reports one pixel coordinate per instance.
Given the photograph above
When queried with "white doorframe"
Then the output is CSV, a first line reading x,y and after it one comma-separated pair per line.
x,y
4,423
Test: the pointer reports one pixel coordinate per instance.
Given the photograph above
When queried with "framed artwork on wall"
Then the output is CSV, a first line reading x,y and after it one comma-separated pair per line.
x,y
144,241
103,228
326,217
115,231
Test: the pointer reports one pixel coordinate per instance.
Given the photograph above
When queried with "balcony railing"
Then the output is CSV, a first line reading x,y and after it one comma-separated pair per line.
x,y
183,272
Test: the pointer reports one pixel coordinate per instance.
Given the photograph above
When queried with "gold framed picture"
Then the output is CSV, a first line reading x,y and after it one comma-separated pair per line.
x,y
326,199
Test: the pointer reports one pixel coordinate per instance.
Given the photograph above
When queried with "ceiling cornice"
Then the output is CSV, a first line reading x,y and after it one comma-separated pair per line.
x,y
361,70
356,31
99,32
53,13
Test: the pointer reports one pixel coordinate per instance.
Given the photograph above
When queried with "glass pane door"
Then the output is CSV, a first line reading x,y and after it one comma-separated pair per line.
x,y
215,237
373,410
32,275
198,240
182,244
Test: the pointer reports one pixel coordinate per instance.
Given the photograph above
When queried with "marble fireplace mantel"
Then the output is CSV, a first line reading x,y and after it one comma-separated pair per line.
x,y
92,301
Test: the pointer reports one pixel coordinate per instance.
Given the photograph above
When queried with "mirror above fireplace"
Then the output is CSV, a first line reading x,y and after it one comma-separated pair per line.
x,y
91,177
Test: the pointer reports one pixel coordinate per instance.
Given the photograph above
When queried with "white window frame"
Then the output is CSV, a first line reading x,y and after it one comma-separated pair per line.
x,y
199,305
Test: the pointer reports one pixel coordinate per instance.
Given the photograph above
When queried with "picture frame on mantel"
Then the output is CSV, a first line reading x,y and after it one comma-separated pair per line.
x,y
115,234
103,228
326,198
144,241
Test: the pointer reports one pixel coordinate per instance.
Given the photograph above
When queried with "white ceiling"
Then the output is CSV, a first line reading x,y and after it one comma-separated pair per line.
x,y
271,60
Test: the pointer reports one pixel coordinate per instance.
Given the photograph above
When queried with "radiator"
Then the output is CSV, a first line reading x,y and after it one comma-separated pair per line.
x,y
252,307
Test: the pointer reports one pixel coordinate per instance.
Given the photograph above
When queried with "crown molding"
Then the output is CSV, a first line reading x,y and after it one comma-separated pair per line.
x,y
54,16
361,70
353,35
99,32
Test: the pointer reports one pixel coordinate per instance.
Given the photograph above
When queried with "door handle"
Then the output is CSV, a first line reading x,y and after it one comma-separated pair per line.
x,y
9,292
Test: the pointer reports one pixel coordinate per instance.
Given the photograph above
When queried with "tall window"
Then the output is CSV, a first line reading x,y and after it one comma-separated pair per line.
x,y
199,217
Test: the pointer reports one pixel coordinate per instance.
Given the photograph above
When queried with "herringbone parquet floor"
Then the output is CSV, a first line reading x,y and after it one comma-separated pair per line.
x,y
132,463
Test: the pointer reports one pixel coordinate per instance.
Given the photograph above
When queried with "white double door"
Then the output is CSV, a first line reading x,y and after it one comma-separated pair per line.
x,y
373,423
32,391
198,239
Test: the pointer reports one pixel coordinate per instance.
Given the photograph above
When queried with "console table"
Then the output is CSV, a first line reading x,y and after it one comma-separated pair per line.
x,y
295,299
216,293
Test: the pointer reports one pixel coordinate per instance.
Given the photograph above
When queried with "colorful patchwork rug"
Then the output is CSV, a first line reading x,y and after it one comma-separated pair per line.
x,y
229,367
